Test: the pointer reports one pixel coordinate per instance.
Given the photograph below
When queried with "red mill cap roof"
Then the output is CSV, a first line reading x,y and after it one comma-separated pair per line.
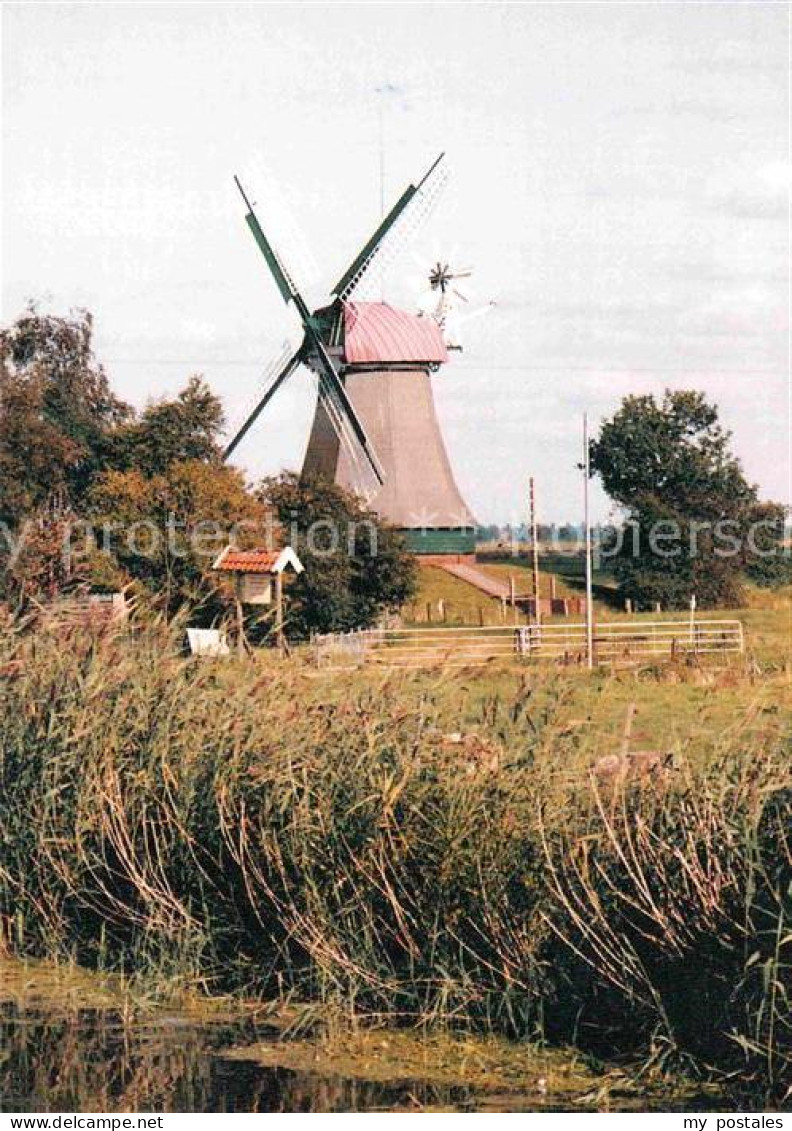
x,y
376,332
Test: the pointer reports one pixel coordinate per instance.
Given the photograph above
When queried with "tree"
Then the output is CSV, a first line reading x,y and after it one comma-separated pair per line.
x,y
164,531
36,459
173,431
61,424
688,505
57,412
90,492
767,559
356,566
570,532
38,565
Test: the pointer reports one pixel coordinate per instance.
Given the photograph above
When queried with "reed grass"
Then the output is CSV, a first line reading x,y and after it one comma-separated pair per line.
x,y
242,826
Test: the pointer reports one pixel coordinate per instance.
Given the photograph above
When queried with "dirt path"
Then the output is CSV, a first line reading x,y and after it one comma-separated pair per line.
x,y
485,582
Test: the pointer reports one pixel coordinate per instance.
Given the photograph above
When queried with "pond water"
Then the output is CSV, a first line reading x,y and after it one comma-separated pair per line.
x,y
71,1041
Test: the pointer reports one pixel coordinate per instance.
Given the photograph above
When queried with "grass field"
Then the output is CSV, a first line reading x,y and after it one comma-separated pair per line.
x,y
677,706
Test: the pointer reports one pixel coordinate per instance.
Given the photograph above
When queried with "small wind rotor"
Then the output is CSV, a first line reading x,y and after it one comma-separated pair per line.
x,y
442,278
444,300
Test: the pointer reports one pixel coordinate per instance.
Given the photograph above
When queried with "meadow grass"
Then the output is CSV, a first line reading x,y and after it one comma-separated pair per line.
x,y
464,604
423,847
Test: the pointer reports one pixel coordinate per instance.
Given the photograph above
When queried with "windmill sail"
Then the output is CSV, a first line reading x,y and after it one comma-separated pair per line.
x,y
364,275
312,351
283,279
276,373
362,480
335,392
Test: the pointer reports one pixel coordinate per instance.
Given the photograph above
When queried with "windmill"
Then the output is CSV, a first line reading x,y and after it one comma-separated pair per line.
x,y
375,429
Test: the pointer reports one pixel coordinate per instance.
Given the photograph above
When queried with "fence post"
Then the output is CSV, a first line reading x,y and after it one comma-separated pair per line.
x,y
693,621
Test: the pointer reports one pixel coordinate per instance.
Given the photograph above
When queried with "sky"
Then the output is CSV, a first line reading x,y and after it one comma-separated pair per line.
x,y
620,188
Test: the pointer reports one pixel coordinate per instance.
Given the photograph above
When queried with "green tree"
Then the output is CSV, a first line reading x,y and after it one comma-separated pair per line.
x,y
57,412
164,531
185,428
356,566
74,458
688,506
768,554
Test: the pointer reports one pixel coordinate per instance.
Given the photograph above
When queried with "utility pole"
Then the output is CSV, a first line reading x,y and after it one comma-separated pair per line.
x,y
381,92
587,523
534,546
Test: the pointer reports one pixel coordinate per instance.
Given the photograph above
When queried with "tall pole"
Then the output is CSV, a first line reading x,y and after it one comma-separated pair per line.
x,y
381,123
534,546
587,523
380,92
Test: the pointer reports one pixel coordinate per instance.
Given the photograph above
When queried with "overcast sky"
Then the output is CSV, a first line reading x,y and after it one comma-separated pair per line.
x,y
621,187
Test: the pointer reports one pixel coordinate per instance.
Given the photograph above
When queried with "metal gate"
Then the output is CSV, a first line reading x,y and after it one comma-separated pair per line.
x,y
614,642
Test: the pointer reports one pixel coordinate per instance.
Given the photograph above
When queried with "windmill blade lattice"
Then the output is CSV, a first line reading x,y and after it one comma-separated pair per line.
x,y
286,236
279,369
364,278
366,483
313,349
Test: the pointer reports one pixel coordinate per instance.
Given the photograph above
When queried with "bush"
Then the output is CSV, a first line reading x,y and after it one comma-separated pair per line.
x,y
356,566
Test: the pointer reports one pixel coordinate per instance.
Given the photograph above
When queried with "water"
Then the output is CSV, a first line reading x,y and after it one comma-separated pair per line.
x,y
94,1060
70,1042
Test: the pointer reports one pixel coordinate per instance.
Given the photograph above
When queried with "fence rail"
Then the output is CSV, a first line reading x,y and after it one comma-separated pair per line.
x,y
614,642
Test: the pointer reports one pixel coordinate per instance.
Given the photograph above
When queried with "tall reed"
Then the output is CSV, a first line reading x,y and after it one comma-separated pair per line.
x,y
245,826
